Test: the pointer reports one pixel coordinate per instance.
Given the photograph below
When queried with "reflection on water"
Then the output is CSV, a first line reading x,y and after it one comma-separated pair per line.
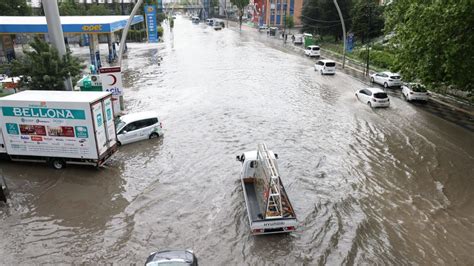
x,y
389,186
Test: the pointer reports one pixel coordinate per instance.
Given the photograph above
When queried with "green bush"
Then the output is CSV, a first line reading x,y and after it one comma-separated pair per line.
x,y
160,31
136,35
382,59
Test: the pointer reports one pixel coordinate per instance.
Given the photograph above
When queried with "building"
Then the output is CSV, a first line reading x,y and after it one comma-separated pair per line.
x,y
275,11
223,5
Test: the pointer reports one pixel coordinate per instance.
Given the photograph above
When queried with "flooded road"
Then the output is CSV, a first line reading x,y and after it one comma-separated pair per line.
x,y
391,186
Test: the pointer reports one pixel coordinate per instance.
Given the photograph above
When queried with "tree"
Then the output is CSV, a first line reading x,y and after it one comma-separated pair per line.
x,y
43,68
367,19
98,10
433,41
241,4
289,23
14,8
71,8
321,17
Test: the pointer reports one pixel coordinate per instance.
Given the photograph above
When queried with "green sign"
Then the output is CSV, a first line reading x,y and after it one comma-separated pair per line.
x,y
44,113
81,132
12,129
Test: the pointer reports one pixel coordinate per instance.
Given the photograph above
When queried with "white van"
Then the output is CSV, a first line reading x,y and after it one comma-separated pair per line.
x,y
210,21
298,39
325,67
138,126
312,50
217,25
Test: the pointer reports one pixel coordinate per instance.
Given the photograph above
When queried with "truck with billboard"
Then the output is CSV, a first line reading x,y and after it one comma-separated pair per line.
x,y
58,127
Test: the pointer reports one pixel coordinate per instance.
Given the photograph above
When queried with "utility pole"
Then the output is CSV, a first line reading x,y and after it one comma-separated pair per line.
x,y
284,27
55,31
343,33
125,30
368,40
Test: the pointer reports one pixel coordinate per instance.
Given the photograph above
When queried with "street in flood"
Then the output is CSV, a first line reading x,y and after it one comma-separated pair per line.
x,y
389,186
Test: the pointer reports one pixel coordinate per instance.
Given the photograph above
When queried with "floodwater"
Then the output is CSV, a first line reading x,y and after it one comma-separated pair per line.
x,y
392,186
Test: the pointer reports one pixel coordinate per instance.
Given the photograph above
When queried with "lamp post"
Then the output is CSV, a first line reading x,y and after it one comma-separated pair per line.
x,y
368,41
343,33
55,31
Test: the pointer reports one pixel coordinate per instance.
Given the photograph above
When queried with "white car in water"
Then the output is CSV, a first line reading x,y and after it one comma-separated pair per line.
x,y
312,50
373,97
414,92
325,67
138,126
386,79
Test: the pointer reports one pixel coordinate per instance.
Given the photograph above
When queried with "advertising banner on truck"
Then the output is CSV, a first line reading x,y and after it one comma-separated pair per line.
x,y
48,129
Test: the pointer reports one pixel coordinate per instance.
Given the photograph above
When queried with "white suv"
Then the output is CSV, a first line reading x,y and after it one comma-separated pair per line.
x,y
312,50
325,67
138,126
374,97
387,79
414,91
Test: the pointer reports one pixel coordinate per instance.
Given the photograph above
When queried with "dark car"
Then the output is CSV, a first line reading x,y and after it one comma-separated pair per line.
x,y
172,257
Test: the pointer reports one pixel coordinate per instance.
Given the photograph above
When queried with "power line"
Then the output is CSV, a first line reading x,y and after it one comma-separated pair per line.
x,y
323,21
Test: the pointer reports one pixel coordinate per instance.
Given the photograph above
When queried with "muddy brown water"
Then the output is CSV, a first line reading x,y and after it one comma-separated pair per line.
x,y
392,186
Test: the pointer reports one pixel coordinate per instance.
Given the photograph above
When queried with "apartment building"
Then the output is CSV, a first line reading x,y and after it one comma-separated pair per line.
x,y
275,11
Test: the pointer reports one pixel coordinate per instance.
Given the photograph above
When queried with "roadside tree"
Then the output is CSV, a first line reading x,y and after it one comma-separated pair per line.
x,y
321,17
289,23
14,8
43,68
367,19
433,41
240,4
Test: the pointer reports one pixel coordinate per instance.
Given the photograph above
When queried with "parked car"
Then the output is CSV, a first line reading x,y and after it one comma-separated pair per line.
x,y
312,50
138,126
415,91
298,39
263,27
172,257
196,20
272,31
374,97
386,79
325,67
217,25
210,21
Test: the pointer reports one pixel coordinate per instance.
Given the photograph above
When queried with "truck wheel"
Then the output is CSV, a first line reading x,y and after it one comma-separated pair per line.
x,y
153,135
119,143
58,163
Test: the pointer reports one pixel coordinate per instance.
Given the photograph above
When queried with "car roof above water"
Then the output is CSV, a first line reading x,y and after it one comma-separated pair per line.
x,y
375,90
138,116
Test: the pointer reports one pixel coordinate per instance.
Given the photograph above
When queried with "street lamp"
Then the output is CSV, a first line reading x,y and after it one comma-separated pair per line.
x,y
343,33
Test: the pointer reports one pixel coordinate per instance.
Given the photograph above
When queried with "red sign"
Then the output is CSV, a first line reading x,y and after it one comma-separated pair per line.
x,y
109,70
35,138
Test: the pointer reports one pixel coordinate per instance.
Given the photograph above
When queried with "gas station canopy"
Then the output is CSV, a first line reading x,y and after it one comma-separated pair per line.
x,y
70,24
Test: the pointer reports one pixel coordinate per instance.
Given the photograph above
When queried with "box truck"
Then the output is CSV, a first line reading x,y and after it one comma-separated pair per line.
x,y
58,127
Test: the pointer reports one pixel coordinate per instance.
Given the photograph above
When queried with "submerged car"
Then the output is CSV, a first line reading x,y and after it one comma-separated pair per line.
x,y
172,257
138,126
414,92
374,97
